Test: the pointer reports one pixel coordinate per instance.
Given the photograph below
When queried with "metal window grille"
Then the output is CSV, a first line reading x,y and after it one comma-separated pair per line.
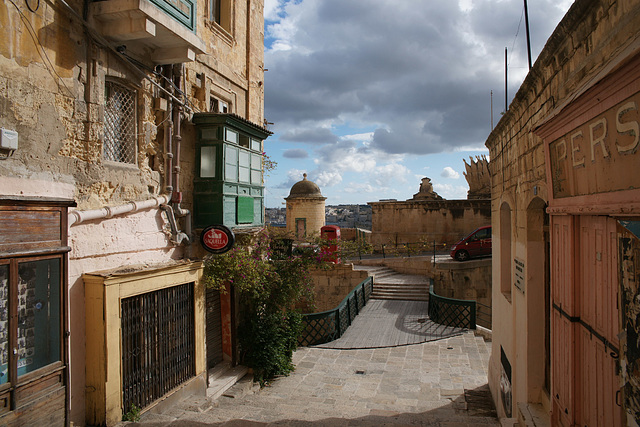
x,y
120,130
158,344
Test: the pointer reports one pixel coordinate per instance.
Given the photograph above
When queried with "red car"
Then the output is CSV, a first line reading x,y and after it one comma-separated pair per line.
x,y
476,244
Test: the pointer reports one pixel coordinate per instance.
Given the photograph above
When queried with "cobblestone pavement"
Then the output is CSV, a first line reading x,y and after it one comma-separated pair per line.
x,y
441,383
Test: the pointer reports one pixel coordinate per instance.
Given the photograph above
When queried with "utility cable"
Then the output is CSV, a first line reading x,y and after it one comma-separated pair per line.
x,y
40,48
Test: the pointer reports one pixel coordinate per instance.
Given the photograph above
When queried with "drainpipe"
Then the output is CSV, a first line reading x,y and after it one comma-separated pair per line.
x,y
78,217
177,236
176,198
168,131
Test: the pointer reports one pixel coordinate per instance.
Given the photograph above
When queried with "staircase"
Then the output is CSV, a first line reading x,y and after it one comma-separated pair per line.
x,y
389,284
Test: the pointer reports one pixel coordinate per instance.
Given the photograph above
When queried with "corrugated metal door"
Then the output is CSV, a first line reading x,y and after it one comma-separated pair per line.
x,y
214,328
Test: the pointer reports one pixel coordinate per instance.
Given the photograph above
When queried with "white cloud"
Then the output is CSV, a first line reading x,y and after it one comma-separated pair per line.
x,y
356,188
449,172
451,192
328,179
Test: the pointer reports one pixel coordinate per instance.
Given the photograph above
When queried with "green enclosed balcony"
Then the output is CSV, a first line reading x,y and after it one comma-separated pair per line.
x,y
160,31
228,188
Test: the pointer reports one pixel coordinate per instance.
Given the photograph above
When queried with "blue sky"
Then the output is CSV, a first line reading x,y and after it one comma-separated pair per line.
x,y
369,96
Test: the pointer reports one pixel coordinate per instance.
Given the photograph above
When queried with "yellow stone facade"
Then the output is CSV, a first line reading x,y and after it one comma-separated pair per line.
x,y
52,92
309,213
104,294
305,209
591,47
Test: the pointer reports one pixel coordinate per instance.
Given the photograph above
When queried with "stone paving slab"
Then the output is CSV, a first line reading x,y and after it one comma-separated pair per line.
x,y
390,323
415,385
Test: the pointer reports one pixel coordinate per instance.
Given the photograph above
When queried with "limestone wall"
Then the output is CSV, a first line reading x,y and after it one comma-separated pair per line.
x,y
332,286
442,221
309,209
419,265
52,94
590,42
469,280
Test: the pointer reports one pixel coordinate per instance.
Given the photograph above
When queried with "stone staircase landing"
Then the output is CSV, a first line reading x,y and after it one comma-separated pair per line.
x,y
391,285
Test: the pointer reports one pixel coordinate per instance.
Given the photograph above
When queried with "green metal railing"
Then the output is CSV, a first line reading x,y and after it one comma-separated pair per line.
x,y
452,312
329,325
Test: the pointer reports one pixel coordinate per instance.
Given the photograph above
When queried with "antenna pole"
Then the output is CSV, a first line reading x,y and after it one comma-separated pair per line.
x,y
492,110
526,25
506,105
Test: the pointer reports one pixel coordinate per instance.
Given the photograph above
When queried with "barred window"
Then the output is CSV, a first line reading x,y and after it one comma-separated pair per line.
x,y
120,123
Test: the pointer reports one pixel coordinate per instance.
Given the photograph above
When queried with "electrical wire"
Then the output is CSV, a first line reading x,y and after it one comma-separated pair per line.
x,y
41,51
516,36
29,6
104,43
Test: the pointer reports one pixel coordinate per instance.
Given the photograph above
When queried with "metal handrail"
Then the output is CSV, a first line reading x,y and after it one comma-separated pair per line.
x,y
330,325
484,315
450,311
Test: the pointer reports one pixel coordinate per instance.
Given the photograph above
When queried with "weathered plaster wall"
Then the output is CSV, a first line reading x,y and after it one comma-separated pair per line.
x,y
442,221
331,286
52,94
586,43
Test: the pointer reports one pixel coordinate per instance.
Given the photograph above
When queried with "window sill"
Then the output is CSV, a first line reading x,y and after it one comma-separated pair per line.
x,y
507,296
119,165
220,32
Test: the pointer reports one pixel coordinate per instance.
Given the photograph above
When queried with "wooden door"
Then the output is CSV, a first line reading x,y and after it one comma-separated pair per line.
x,y
562,311
584,321
214,328
597,341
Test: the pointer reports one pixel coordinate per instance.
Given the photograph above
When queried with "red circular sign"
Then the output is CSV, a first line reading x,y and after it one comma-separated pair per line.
x,y
217,239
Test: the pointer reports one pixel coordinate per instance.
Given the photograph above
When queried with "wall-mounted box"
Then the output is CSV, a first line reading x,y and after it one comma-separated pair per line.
x,y
8,139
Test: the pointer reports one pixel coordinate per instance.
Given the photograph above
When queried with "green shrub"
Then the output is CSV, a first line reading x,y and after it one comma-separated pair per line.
x,y
268,291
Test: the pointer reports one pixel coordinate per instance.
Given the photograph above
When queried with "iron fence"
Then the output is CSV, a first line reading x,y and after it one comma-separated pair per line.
x,y
483,315
330,325
452,312
158,349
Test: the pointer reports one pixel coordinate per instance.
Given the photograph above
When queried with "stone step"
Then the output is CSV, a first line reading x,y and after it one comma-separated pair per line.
x,y
401,297
412,291
242,388
223,378
400,286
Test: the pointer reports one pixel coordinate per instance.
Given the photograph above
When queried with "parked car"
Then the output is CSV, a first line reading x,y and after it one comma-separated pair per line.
x,y
476,244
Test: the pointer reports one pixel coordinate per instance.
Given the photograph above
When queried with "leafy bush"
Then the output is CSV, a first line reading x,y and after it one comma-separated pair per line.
x,y
268,291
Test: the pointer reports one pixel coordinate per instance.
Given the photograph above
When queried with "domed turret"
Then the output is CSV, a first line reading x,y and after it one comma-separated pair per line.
x,y
305,208
305,188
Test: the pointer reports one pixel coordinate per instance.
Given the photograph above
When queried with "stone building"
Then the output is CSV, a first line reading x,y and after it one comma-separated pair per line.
x,y
566,219
427,218
99,153
305,209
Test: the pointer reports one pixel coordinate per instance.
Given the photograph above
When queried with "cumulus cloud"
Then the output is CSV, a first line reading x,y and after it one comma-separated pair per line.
x,y
316,135
417,74
449,172
295,153
451,192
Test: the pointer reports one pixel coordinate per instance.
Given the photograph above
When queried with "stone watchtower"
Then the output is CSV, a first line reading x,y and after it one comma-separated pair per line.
x,y
305,209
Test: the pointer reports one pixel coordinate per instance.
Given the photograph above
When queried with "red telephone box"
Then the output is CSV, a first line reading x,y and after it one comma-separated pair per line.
x,y
332,234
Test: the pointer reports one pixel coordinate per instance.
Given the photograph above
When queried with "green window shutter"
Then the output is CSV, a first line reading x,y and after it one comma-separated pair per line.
x,y
245,210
